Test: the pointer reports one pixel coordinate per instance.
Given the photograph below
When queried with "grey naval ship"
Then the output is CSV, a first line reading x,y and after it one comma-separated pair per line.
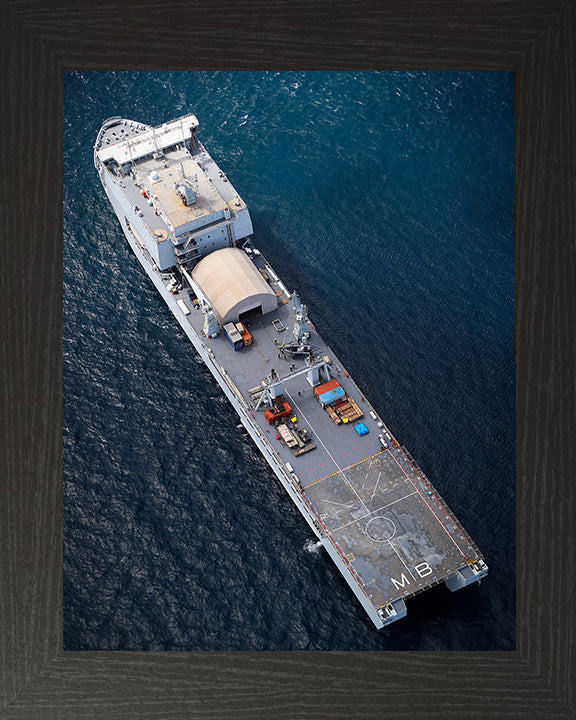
x,y
370,505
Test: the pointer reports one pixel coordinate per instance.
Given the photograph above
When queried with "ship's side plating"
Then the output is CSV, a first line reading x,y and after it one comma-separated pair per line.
x,y
176,207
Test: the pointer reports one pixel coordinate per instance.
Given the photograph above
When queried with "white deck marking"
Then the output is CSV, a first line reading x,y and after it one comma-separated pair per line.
x,y
325,448
402,561
429,508
375,486
350,507
374,511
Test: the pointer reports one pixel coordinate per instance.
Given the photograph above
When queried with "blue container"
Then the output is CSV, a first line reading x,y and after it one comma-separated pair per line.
x,y
332,396
361,429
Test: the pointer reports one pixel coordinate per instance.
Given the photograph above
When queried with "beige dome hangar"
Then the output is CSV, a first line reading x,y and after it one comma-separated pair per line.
x,y
233,285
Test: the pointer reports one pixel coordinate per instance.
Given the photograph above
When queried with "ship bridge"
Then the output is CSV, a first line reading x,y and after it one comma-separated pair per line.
x,y
148,141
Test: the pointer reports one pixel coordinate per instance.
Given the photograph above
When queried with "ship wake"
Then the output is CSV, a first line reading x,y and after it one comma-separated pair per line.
x,y
313,547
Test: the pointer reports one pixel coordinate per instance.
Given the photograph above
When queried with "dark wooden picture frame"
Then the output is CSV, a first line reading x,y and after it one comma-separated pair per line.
x,y
39,43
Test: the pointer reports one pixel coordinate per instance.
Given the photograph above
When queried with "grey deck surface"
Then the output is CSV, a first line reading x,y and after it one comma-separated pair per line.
x,y
383,513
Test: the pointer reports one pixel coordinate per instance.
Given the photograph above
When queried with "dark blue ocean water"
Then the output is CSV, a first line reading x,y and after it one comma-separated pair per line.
x,y
388,201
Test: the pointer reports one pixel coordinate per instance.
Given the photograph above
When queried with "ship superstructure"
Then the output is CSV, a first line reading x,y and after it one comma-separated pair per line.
x,y
367,501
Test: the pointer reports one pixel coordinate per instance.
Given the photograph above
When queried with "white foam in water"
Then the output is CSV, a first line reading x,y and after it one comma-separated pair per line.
x,y
313,547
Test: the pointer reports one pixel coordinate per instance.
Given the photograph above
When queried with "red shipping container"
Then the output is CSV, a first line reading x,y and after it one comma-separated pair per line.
x,y
246,336
321,389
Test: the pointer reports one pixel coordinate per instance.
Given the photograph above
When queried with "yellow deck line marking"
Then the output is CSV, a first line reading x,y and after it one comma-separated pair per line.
x,y
337,472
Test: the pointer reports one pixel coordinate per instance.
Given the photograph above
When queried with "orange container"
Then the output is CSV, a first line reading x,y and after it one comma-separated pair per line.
x,y
246,336
321,389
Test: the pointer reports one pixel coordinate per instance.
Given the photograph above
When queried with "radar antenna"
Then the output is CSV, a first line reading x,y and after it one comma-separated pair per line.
x,y
211,328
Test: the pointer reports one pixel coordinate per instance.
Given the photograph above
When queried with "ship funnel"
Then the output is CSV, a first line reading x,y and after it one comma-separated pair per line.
x,y
211,328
